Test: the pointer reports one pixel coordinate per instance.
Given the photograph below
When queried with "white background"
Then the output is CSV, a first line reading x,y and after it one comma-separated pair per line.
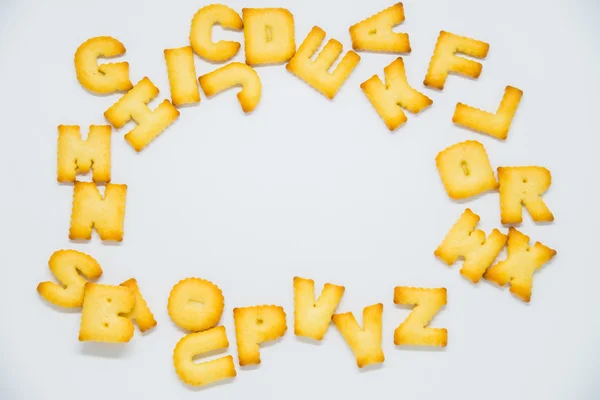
x,y
309,187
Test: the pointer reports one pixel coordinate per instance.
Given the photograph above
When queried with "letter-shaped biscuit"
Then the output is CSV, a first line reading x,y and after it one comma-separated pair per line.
x,y
311,319
66,266
444,59
182,76
133,106
464,241
268,35
256,325
104,78
523,186
414,330
196,304
389,98
497,124
91,211
518,268
102,317
366,342
316,73
195,344
140,314
230,75
77,156
375,33
465,170
201,32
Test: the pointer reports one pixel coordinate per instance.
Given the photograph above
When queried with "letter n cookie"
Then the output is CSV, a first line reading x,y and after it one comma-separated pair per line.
x,y
312,318
256,325
365,342
522,261
268,35
195,344
465,170
497,124
444,59
91,211
316,73
375,33
101,315
523,187
414,330
465,241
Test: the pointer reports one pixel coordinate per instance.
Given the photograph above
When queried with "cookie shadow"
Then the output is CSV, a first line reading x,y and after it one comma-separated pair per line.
x,y
371,367
307,340
206,387
104,350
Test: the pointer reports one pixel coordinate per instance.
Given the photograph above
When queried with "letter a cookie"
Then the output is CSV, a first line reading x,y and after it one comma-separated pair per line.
x,y
375,33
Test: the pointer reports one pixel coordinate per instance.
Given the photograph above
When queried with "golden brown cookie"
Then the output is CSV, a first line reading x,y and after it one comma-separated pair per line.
x,y
101,315
141,314
497,124
414,330
375,33
523,187
256,325
91,211
268,35
365,342
522,261
68,266
104,78
182,76
312,318
444,59
201,32
195,344
77,156
233,74
316,73
196,304
388,99
150,123
464,241
465,170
